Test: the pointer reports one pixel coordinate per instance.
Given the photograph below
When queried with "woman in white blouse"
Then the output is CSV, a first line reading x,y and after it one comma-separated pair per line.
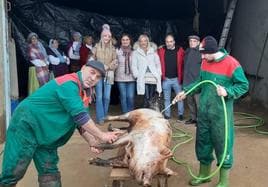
x,y
59,62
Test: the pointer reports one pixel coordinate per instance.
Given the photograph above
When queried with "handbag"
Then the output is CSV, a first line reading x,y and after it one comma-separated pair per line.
x,y
149,78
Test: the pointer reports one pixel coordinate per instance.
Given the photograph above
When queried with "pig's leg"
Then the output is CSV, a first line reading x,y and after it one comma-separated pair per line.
x,y
168,172
111,128
114,162
123,117
118,161
123,140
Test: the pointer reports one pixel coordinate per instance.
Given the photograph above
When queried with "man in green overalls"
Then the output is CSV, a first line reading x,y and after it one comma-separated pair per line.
x,y
227,73
45,121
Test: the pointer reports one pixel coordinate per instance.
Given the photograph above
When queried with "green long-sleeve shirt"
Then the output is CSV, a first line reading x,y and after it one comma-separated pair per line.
x,y
50,112
226,72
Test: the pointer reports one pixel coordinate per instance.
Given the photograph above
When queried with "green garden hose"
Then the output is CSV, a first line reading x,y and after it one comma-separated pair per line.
x,y
190,138
245,116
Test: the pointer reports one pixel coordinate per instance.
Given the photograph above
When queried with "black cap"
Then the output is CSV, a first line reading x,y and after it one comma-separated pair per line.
x,y
209,45
96,65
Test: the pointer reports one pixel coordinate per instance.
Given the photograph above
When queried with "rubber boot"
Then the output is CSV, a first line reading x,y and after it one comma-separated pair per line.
x,y
204,171
224,178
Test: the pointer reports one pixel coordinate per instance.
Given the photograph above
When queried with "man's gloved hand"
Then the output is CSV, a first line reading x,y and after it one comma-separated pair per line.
x,y
221,91
180,96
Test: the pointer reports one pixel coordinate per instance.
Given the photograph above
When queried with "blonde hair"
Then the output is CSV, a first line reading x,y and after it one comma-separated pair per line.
x,y
105,53
146,37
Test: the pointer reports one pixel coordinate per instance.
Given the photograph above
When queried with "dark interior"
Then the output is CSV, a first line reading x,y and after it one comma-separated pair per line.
x,y
59,18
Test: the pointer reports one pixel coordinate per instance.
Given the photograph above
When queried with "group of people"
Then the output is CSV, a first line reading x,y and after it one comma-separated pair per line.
x,y
46,119
55,59
141,67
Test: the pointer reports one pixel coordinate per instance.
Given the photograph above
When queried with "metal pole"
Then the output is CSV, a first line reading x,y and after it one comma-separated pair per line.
x,y
227,24
5,75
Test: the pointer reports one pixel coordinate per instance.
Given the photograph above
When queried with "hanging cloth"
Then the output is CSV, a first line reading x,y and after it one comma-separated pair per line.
x,y
196,18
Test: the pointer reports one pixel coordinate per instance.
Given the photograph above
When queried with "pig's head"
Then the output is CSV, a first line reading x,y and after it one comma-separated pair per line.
x,y
144,169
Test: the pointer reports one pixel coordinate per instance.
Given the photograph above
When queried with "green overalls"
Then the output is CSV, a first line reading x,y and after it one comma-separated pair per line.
x,y
210,133
39,125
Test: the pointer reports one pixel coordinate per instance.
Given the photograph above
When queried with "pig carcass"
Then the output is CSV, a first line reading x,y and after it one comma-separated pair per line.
x,y
145,148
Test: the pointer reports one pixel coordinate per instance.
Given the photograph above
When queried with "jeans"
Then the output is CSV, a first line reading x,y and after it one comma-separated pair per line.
x,y
127,90
167,86
103,92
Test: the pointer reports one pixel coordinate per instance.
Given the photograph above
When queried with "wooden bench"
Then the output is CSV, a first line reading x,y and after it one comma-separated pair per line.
x,y
118,177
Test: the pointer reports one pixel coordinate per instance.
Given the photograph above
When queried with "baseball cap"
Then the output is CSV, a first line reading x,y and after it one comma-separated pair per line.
x,y
194,37
96,65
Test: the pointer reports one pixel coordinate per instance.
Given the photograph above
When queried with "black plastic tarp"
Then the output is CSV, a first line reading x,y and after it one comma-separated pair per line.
x,y
50,19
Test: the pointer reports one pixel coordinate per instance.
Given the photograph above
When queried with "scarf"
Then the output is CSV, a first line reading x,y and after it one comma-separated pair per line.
x,y
76,47
42,50
55,51
126,54
37,52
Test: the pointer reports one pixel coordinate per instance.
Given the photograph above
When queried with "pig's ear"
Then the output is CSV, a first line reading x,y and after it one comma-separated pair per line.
x,y
169,172
166,153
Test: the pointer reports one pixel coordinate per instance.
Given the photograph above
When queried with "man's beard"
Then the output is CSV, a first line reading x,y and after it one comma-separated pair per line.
x,y
171,48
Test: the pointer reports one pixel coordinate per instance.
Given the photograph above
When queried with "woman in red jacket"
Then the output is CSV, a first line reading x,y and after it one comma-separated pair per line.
x,y
86,50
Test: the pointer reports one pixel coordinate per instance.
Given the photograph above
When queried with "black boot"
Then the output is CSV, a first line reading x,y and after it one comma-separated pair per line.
x,y
50,180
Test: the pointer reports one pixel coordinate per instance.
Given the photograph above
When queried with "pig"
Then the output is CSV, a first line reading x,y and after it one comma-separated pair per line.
x,y
144,149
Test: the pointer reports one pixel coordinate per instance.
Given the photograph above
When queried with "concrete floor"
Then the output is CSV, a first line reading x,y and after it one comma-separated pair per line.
x,y
250,168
